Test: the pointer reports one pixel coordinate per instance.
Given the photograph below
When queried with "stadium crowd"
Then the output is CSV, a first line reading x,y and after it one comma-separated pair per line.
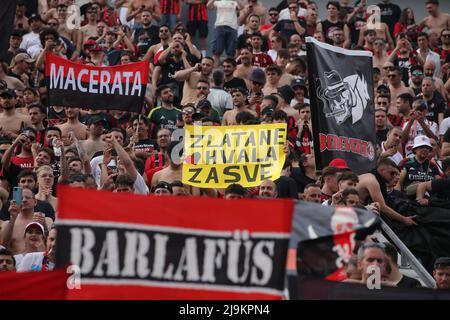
x,y
258,73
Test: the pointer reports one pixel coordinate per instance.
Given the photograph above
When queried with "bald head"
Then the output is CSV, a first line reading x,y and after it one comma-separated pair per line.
x,y
429,67
268,189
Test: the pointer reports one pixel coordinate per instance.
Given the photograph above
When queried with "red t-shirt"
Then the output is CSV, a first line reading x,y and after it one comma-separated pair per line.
x,y
23,163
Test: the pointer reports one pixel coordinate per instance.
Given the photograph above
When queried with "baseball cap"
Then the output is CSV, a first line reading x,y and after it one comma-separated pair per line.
x,y
339,163
204,104
421,141
8,93
34,17
35,225
198,116
268,111
442,262
286,93
298,83
96,119
90,42
257,75
163,185
21,57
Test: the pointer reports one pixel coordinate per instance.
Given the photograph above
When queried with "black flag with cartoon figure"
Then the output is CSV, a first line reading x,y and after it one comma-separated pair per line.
x,y
341,89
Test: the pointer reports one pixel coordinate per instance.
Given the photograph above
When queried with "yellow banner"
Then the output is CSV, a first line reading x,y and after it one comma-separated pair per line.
x,y
216,157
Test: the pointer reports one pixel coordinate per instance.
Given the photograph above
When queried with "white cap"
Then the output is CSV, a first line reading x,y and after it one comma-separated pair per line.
x,y
421,141
37,224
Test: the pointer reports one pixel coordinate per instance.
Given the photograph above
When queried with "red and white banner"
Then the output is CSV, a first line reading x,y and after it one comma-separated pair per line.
x,y
72,84
145,247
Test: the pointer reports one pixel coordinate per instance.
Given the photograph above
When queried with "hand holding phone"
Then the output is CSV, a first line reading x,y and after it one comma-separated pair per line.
x,y
17,195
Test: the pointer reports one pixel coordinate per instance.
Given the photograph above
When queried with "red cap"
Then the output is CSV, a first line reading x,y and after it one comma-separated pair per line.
x,y
90,42
339,163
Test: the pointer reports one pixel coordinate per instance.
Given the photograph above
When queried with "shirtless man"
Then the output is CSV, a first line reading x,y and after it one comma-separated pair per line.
x,y
94,142
11,121
273,75
11,82
137,6
165,39
397,87
282,60
74,125
239,96
74,35
173,171
191,75
253,7
285,95
372,188
12,230
90,29
244,69
436,21
382,32
379,53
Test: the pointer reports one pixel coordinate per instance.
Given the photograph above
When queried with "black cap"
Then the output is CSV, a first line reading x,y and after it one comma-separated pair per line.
x,y
286,93
34,17
163,185
298,83
267,111
198,116
96,119
383,87
442,262
204,104
8,93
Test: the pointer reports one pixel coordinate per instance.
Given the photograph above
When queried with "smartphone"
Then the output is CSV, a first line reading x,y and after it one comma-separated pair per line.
x,y
17,195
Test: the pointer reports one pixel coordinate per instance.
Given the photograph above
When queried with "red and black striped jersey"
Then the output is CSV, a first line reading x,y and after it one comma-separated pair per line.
x,y
169,6
198,12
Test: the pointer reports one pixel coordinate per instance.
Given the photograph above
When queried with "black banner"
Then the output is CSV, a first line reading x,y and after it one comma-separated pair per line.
x,y
343,117
7,12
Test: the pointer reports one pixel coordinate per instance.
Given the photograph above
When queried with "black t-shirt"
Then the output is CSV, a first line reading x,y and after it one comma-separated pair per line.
x,y
41,206
151,38
55,117
235,83
147,145
287,27
328,29
408,283
390,14
435,106
355,25
441,188
11,174
169,68
382,135
301,179
405,64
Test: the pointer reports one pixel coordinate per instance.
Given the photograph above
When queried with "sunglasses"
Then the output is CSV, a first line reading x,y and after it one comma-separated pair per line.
x,y
392,75
388,68
188,112
383,103
52,24
293,8
417,74
164,30
273,14
378,43
202,88
446,35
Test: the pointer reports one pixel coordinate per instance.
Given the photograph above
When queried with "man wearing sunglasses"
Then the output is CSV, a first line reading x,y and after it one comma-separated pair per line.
x,y
11,121
417,76
24,159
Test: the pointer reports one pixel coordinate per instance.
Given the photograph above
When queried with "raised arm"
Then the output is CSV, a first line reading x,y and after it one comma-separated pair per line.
x,y
125,159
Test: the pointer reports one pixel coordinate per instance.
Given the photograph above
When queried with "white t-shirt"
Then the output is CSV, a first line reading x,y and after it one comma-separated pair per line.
x,y
433,56
397,157
139,185
33,262
220,100
417,130
226,14
29,40
445,125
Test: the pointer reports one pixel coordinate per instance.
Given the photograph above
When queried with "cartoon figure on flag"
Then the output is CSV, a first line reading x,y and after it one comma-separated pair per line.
x,y
343,98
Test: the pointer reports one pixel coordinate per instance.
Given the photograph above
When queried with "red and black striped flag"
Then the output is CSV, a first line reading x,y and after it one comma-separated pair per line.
x,y
142,247
119,87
